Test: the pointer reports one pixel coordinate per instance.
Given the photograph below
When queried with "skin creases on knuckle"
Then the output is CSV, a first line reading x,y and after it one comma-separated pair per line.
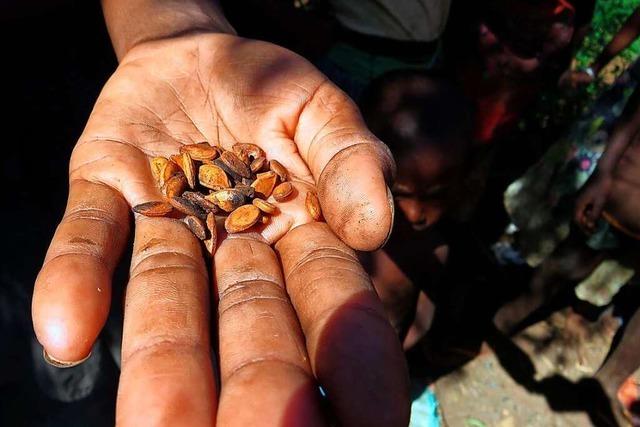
x,y
158,344
165,260
317,259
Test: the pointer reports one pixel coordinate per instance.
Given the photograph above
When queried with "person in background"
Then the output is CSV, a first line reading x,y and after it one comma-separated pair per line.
x,y
426,122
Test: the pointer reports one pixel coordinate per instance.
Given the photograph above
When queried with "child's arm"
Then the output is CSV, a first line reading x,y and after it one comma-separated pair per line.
x,y
591,201
629,31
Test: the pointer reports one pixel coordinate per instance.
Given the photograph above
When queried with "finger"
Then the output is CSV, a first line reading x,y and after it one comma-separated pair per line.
x,y
265,373
73,289
354,351
167,376
351,167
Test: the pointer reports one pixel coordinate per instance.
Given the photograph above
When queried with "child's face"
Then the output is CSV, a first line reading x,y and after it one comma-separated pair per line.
x,y
426,179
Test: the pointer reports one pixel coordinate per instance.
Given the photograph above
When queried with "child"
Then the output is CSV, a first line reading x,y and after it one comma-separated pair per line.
x,y
427,125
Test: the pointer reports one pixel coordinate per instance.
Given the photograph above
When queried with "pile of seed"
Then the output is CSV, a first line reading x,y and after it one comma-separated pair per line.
x,y
207,185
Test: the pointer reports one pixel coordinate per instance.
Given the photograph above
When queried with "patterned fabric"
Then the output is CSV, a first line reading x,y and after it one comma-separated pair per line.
x,y
541,203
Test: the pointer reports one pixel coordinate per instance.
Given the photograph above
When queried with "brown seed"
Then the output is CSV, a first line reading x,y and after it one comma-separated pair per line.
x,y
282,191
199,200
258,164
313,206
280,170
247,190
211,243
265,219
170,170
247,152
187,207
242,218
153,209
157,169
228,200
264,206
201,151
189,169
177,159
197,226
264,184
234,163
175,185
213,177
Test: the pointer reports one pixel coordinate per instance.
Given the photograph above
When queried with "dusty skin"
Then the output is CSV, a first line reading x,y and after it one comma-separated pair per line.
x,y
282,321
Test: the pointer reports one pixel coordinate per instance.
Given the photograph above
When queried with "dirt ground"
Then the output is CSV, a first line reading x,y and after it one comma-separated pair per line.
x,y
531,381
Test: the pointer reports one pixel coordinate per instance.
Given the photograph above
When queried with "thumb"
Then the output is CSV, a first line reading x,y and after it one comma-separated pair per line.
x,y
351,167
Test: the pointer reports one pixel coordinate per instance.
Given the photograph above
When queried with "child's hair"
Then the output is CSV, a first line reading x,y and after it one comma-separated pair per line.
x,y
408,109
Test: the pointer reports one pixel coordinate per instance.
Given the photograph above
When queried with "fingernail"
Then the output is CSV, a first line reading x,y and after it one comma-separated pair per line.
x,y
392,206
61,363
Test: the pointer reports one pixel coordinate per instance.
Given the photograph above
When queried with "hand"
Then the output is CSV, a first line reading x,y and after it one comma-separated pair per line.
x,y
287,318
574,78
591,201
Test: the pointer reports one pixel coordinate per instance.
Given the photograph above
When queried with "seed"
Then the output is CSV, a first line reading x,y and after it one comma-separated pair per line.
x,y
189,169
242,218
175,185
157,168
199,200
201,151
264,184
153,209
313,206
235,164
177,159
280,170
264,206
213,177
187,207
197,226
258,164
211,243
247,152
228,200
247,191
265,219
170,170
282,191
227,170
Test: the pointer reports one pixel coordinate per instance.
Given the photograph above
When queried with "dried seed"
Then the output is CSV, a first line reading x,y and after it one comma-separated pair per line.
x,y
211,243
227,170
265,219
153,209
242,218
282,191
264,184
258,164
187,207
175,185
313,206
157,168
201,151
177,159
280,170
189,169
228,200
197,226
199,200
213,177
235,164
247,190
264,206
170,170
247,152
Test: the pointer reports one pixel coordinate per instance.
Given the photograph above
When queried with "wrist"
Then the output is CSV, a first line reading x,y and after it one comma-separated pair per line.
x,y
133,22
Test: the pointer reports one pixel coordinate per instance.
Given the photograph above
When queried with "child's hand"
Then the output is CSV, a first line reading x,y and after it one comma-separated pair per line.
x,y
590,202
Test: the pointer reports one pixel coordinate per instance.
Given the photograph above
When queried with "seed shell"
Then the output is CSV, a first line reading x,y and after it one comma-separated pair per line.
x,y
197,226
175,185
242,219
213,177
187,207
258,164
157,168
264,184
282,191
234,163
201,151
280,170
189,169
313,205
264,206
153,209
247,152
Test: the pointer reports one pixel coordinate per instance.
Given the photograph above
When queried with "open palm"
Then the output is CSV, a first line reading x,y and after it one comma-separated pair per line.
x,y
287,319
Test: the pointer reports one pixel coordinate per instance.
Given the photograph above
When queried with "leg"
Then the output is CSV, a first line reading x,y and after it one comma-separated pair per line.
x,y
571,262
